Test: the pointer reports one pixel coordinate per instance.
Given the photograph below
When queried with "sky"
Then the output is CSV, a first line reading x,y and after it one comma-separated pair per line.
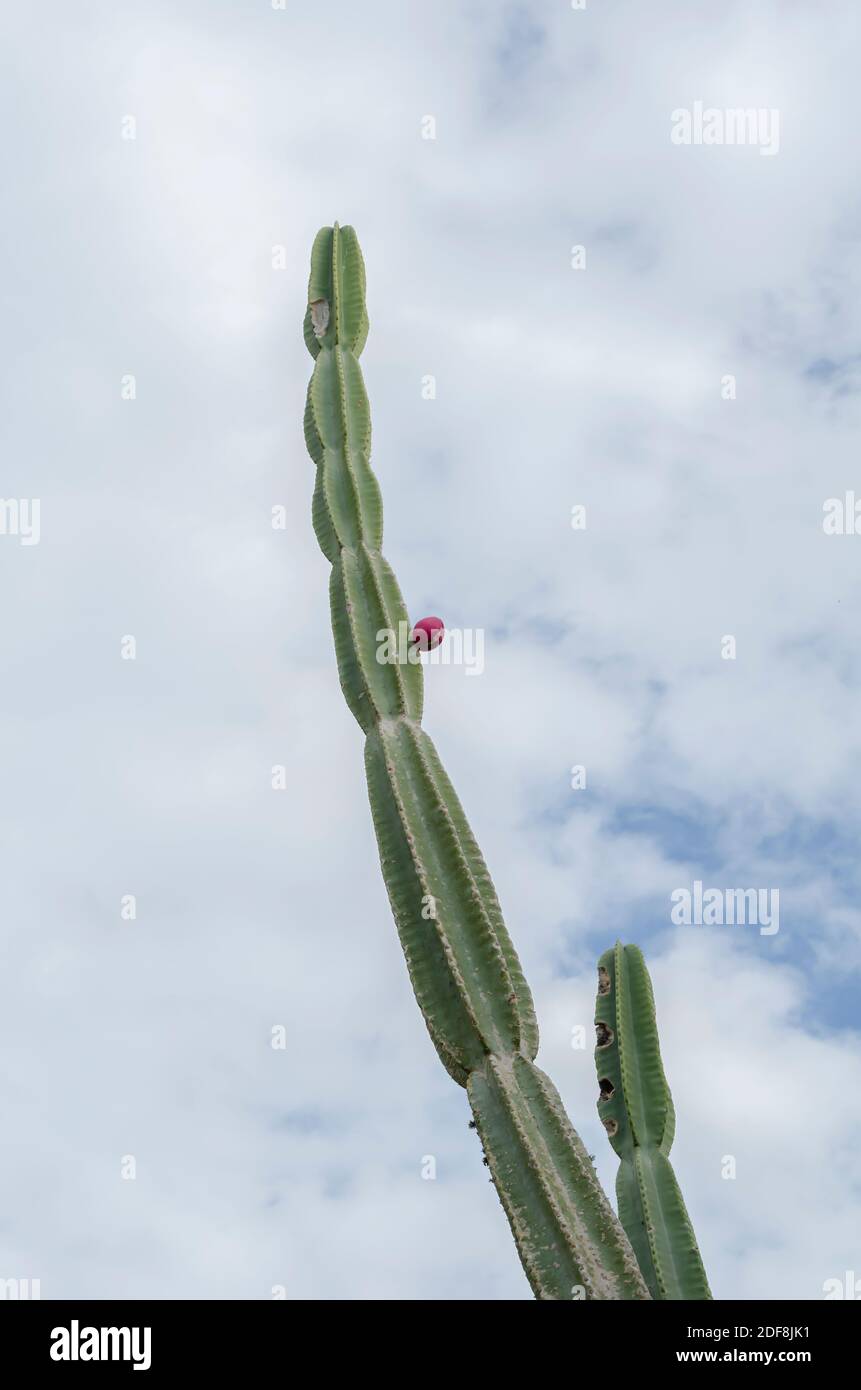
x,y
667,335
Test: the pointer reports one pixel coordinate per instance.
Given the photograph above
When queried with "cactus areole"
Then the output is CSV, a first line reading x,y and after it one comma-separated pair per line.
x,y
462,965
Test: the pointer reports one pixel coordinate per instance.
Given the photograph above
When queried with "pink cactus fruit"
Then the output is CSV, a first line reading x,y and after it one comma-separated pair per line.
x,y
428,633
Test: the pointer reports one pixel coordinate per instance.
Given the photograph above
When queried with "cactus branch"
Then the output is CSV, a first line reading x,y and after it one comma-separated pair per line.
x,y
636,1108
463,967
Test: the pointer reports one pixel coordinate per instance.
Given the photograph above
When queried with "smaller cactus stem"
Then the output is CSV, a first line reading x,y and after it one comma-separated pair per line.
x,y
636,1108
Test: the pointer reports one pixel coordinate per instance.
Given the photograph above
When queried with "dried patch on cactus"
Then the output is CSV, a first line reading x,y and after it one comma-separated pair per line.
x,y
603,980
320,317
606,1087
603,1035
611,1127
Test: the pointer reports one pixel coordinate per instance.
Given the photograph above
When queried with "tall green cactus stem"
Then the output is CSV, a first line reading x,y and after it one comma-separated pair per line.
x,y
636,1108
463,967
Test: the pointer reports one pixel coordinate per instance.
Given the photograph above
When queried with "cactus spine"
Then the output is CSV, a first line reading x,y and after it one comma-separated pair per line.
x,y
636,1108
462,964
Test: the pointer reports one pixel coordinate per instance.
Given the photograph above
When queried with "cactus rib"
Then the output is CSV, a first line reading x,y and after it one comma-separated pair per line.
x,y
636,1108
463,967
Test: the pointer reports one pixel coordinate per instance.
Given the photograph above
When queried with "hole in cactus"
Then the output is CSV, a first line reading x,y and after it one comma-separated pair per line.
x,y
603,1035
603,980
320,317
611,1127
606,1088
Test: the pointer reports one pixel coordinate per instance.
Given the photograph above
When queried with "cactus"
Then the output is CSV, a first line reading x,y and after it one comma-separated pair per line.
x,y
463,967
636,1108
